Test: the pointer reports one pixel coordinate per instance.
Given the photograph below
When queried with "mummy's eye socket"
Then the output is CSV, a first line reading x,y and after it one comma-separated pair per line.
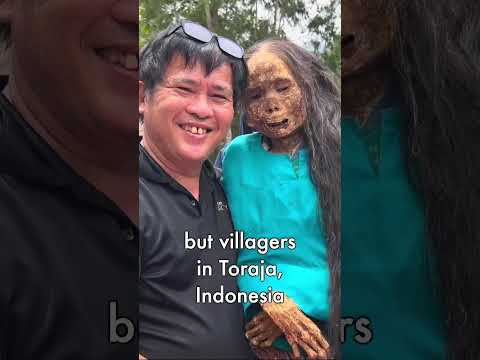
x,y
254,94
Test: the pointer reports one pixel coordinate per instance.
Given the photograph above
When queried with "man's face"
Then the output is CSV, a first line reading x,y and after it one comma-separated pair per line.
x,y
275,102
78,59
189,113
366,34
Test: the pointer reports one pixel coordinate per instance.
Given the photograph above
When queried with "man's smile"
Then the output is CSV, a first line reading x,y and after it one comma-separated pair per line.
x,y
195,129
123,59
127,60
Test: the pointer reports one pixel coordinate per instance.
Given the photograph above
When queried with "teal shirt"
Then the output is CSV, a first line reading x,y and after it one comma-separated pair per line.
x,y
387,275
271,195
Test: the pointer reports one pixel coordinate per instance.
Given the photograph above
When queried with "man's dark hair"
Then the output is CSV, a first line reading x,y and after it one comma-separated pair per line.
x,y
157,54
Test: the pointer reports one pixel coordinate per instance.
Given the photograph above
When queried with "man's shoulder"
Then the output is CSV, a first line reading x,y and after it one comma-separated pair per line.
x,y
29,211
152,198
24,156
21,211
18,196
8,205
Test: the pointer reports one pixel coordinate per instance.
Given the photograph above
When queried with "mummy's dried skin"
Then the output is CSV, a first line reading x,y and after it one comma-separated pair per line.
x,y
275,101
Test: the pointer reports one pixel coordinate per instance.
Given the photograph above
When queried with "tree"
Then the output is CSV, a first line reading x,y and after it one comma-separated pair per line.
x,y
324,25
246,21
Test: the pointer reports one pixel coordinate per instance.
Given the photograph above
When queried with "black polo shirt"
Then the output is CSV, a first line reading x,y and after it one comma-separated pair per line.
x,y
66,252
172,324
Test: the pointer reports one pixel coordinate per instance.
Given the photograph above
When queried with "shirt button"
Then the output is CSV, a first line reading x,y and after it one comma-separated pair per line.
x,y
129,234
194,203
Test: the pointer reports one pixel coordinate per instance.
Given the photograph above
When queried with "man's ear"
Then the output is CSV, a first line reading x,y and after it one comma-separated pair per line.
x,y
141,97
6,11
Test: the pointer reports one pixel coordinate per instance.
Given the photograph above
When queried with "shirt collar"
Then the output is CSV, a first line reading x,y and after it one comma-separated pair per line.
x,y
26,156
373,131
151,170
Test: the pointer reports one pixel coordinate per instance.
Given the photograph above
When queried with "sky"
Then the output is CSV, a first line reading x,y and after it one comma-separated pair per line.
x,y
298,34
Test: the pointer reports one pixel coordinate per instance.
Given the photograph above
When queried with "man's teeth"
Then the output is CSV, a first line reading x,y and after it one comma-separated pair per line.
x,y
128,60
194,129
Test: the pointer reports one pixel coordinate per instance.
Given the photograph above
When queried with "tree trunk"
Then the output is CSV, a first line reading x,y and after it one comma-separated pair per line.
x,y
275,17
206,4
256,20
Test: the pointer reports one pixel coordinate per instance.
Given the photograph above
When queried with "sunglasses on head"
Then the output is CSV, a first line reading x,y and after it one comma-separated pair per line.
x,y
201,33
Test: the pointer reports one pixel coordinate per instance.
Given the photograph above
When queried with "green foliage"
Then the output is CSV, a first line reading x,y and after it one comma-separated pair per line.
x,y
248,21
332,55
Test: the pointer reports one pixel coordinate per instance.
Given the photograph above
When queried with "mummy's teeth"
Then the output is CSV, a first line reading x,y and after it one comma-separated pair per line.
x,y
194,130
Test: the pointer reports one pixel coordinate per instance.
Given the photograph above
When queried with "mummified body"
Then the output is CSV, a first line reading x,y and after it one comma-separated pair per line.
x,y
274,179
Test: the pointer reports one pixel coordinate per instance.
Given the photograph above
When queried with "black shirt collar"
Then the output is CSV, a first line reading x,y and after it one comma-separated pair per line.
x,y
26,156
152,171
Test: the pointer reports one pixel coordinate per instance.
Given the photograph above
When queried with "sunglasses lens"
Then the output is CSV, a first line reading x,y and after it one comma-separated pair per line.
x,y
230,47
197,32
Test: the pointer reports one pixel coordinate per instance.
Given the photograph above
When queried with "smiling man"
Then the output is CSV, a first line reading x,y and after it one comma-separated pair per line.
x,y
68,180
191,81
